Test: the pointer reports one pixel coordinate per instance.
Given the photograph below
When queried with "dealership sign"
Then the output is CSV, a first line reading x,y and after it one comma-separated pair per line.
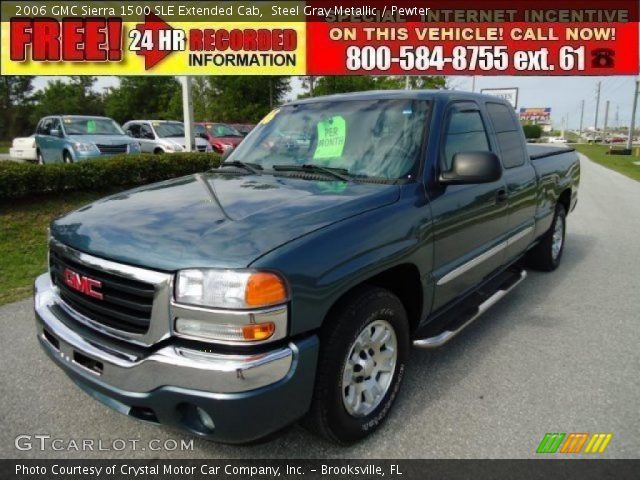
x,y
536,115
508,94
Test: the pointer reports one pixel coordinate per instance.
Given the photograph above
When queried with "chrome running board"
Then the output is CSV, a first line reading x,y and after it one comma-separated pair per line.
x,y
446,335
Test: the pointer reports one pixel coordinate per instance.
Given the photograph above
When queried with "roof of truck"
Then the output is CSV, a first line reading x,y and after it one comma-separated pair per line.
x,y
395,94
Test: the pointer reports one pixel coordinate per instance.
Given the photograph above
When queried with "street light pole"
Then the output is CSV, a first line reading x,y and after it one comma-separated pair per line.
x,y
632,125
187,112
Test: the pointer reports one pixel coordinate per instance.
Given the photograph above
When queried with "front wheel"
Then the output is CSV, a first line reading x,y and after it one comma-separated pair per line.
x,y
40,158
67,158
547,254
363,355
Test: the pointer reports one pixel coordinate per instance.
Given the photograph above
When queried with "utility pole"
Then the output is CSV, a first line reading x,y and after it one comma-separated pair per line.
x,y
632,125
597,104
606,120
581,120
187,112
406,83
473,84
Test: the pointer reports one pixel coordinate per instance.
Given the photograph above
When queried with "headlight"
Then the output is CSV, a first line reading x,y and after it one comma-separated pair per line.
x,y
233,291
226,146
173,148
85,147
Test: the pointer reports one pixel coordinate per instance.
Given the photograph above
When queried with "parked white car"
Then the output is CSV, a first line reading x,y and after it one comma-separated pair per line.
x,y
23,148
162,136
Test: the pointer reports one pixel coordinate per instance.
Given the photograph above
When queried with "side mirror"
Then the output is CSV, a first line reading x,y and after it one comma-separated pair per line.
x,y
226,154
472,167
55,133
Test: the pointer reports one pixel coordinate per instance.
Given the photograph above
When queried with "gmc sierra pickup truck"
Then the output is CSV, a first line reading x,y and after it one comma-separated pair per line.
x,y
291,282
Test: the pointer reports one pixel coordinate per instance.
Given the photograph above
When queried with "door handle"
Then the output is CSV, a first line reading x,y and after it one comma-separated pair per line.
x,y
502,196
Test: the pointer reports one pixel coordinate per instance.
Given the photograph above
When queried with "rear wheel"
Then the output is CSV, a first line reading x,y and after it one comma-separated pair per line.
x,y
547,254
363,355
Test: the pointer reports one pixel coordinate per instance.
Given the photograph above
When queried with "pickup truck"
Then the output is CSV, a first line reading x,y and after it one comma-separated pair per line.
x,y
291,282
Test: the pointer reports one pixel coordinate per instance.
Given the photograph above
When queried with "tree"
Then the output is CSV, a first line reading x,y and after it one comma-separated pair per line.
x,y
75,97
144,98
15,102
328,85
242,99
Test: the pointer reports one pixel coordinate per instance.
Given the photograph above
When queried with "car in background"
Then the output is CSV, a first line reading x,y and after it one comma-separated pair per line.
x,y
73,138
557,140
221,136
23,148
162,136
243,128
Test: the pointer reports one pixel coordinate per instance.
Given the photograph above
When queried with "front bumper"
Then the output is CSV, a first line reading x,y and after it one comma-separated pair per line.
x,y
246,396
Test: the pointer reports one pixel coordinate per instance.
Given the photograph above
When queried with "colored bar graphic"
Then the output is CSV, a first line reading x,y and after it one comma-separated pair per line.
x,y
550,443
573,442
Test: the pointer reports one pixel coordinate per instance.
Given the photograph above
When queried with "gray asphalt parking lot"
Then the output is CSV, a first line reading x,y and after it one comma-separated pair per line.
x,y
559,354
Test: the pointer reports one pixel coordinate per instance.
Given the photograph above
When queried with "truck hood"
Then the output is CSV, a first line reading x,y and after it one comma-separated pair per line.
x,y
213,219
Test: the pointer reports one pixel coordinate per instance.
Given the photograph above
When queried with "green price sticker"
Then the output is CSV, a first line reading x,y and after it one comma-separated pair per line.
x,y
332,134
91,126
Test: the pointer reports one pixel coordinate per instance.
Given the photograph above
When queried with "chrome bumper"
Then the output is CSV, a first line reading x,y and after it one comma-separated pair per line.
x,y
168,366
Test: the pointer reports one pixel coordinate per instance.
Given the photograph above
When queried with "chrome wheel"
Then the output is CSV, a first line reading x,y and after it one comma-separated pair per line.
x,y
558,237
369,368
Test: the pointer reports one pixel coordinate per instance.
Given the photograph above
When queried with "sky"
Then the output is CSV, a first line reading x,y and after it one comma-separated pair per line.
x,y
563,94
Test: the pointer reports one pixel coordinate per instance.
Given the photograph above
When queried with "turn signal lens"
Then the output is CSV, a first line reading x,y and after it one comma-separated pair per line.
x,y
258,331
263,289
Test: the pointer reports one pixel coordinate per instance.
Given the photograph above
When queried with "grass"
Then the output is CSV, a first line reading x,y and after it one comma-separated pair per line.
x,y
620,163
4,146
23,240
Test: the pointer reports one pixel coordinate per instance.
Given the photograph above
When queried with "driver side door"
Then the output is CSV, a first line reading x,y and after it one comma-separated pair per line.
x,y
470,220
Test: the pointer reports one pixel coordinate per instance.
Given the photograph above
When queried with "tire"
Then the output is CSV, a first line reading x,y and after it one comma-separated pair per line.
x,y
66,157
158,151
547,254
40,158
334,414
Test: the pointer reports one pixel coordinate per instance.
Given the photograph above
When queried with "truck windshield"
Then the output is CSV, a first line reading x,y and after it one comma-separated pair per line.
x,y
91,126
169,129
364,138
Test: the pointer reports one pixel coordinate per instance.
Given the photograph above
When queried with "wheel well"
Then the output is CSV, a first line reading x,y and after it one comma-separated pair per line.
x,y
565,200
404,282
158,150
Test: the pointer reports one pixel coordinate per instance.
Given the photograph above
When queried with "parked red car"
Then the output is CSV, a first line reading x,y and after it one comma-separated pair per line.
x,y
243,128
220,135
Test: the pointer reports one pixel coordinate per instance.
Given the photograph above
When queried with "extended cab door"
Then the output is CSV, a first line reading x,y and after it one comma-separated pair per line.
x,y
470,221
519,177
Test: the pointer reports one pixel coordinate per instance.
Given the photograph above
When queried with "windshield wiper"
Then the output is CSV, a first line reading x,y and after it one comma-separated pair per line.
x,y
250,167
339,173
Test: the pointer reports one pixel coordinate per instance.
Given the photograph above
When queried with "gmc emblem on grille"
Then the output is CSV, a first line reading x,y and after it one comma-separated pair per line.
x,y
82,284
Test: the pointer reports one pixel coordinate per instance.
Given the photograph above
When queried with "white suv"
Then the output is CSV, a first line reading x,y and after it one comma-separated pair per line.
x,y
162,136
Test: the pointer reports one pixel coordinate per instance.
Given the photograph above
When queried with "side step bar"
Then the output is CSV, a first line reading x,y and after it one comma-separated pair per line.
x,y
443,337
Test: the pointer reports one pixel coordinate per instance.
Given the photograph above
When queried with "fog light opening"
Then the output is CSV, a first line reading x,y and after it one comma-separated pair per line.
x,y
196,419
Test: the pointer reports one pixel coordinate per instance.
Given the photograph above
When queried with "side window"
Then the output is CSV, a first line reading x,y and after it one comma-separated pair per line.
x,y
146,132
508,134
45,126
465,132
133,130
55,125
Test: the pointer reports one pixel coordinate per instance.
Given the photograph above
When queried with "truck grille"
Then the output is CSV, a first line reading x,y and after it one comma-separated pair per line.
x,y
125,305
112,149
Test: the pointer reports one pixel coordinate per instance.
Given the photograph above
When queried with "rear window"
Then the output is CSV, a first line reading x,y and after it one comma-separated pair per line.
x,y
508,134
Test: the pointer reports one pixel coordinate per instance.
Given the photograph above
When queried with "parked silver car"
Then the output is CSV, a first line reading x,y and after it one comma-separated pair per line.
x,y
162,136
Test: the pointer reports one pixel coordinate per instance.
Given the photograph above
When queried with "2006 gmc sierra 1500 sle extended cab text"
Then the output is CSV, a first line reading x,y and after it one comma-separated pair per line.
x,y
291,282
